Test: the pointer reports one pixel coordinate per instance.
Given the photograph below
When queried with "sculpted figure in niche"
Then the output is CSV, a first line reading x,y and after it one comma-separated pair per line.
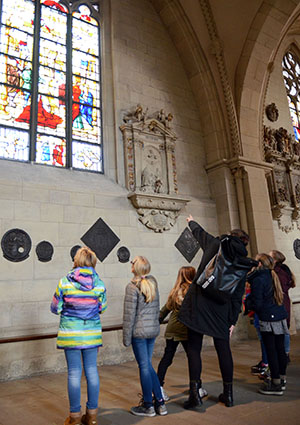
x,y
272,112
269,139
296,147
284,140
283,197
151,180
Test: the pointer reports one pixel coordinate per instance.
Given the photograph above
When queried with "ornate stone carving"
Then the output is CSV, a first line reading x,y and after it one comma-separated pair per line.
x,y
272,112
282,150
157,212
278,143
150,167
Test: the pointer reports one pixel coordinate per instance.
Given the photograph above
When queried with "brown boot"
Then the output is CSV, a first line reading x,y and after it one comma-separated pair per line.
x,y
90,418
73,419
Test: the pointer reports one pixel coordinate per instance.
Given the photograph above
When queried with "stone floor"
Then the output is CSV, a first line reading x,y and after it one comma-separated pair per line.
x,y
42,400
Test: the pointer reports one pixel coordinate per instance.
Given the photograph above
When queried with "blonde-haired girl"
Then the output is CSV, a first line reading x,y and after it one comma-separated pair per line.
x,y
140,328
79,299
176,332
266,299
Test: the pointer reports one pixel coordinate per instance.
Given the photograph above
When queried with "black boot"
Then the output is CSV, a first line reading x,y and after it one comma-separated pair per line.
x,y
194,399
227,396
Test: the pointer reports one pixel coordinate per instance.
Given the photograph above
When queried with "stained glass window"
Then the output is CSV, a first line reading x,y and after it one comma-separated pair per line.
x,y
291,75
50,93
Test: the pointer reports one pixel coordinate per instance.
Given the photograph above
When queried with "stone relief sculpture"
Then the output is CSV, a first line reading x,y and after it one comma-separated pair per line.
x,y
272,112
151,178
283,151
137,115
150,167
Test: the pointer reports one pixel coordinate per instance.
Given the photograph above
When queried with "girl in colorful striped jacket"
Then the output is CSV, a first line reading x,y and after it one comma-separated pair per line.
x,y
79,299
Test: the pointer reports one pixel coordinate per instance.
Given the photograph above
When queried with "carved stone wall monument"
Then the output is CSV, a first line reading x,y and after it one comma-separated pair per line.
x,y
150,167
283,151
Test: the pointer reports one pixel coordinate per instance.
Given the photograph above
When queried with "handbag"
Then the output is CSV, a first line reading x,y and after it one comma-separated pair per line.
x,y
222,275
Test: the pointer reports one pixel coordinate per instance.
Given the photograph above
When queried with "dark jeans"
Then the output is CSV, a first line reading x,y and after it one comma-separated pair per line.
x,y
276,353
167,359
143,350
222,347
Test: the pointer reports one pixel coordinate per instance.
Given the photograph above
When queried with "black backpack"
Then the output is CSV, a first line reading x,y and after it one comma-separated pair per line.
x,y
223,273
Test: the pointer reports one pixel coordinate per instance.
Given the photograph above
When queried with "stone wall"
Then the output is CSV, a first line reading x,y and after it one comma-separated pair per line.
x,y
60,205
276,93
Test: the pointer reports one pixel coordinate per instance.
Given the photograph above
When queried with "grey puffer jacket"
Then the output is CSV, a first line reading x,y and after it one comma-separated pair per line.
x,y
140,319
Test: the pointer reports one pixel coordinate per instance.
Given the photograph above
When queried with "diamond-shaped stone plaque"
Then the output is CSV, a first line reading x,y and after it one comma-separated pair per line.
x,y
187,245
101,239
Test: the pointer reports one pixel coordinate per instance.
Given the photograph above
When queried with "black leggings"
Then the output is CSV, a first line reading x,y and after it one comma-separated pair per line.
x,y
277,359
167,359
222,347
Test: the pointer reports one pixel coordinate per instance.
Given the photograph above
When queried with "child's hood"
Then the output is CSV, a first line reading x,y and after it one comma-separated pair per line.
x,y
83,278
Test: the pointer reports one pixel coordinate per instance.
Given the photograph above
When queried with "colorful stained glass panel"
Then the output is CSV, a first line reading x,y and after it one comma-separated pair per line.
x,y
82,129
50,150
87,157
14,144
84,89
85,32
48,121
84,14
85,65
50,104
291,70
297,133
294,117
55,5
53,55
18,14
14,107
53,24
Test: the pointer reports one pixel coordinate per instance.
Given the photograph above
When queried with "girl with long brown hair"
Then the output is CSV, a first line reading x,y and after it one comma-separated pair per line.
x,y
176,332
266,300
287,281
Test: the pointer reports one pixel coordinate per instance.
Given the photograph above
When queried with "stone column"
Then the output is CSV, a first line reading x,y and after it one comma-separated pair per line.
x,y
170,151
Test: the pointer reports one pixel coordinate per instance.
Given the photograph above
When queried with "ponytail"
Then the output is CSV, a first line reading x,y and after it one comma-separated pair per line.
x,y
278,294
267,262
146,284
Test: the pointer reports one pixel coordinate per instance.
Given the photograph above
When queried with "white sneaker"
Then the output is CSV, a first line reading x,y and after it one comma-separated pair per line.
x,y
203,392
164,394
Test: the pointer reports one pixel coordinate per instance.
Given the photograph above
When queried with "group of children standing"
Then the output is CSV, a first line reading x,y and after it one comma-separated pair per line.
x,y
81,296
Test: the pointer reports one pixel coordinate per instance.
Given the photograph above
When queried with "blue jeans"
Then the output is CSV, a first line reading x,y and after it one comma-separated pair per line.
x,y
264,356
143,350
287,343
89,360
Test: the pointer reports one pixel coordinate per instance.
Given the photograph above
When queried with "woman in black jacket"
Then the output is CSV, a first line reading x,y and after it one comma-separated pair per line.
x,y
204,316
266,299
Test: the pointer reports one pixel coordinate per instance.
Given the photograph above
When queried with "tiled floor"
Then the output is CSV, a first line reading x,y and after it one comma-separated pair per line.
x,y
42,400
